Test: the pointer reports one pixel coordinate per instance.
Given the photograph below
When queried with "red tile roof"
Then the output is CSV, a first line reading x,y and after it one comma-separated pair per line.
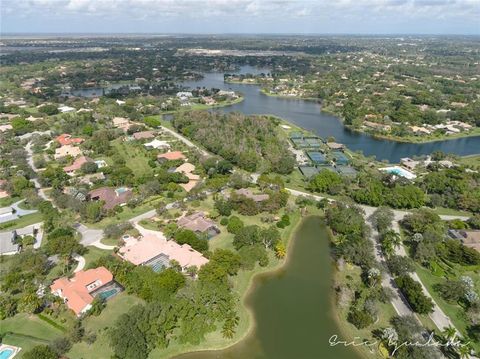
x,y
76,290
110,196
171,156
77,164
66,139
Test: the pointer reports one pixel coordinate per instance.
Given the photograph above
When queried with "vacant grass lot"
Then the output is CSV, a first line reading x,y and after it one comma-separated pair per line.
x,y
99,325
135,155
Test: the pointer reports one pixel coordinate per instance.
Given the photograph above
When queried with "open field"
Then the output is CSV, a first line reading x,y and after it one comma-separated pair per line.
x,y
26,331
99,325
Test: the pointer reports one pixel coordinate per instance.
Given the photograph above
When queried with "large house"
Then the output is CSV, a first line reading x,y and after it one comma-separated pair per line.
x,y
155,251
77,165
122,123
67,150
468,238
112,197
157,144
187,169
79,291
249,194
197,223
66,139
170,156
144,135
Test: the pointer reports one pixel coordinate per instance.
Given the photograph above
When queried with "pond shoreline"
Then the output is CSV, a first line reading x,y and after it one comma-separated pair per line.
x,y
251,286
253,325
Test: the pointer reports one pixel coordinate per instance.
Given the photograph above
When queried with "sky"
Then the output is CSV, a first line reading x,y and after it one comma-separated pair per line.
x,y
241,16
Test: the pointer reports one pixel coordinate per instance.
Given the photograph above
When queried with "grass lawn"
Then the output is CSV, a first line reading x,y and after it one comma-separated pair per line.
x,y
452,310
450,211
7,201
26,331
473,160
93,254
349,276
135,155
22,221
101,348
128,213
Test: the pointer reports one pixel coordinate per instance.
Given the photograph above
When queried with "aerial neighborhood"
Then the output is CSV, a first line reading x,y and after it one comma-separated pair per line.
x,y
158,192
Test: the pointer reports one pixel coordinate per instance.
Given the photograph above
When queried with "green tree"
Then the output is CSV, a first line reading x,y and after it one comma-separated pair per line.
x,y
40,352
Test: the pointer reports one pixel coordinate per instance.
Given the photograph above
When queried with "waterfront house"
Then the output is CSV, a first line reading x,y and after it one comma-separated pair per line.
x,y
155,251
79,291
335,146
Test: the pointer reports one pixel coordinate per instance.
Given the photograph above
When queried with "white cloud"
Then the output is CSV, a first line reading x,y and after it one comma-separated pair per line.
x,y
332,12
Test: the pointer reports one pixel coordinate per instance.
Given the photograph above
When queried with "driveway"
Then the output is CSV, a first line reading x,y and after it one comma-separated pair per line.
x,y
18,212
81,263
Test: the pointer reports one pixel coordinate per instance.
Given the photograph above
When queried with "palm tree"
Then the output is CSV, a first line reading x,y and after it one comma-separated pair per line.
x,y
390,240
464,349
449,333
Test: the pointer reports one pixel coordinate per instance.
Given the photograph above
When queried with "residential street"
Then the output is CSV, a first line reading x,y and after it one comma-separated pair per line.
x,y
438,316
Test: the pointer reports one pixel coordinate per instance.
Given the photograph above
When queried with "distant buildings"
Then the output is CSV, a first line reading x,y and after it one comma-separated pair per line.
x,y
66,109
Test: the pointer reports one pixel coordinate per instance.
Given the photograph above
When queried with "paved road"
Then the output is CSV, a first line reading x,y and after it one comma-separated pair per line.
x,y
92,237
19,212
184,140
41,191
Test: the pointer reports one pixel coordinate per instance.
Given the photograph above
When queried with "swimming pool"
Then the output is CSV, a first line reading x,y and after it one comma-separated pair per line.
x,y
6,353
108,293
399,171
121,190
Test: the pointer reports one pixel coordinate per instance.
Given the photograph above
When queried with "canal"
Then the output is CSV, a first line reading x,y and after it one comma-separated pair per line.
x,y
308,114
293,306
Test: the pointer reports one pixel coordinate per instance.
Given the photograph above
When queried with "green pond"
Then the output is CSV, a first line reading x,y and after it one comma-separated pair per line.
x,y
292,306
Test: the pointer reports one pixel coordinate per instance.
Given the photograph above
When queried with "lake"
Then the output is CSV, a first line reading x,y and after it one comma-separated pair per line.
x,y
307,114
292,306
